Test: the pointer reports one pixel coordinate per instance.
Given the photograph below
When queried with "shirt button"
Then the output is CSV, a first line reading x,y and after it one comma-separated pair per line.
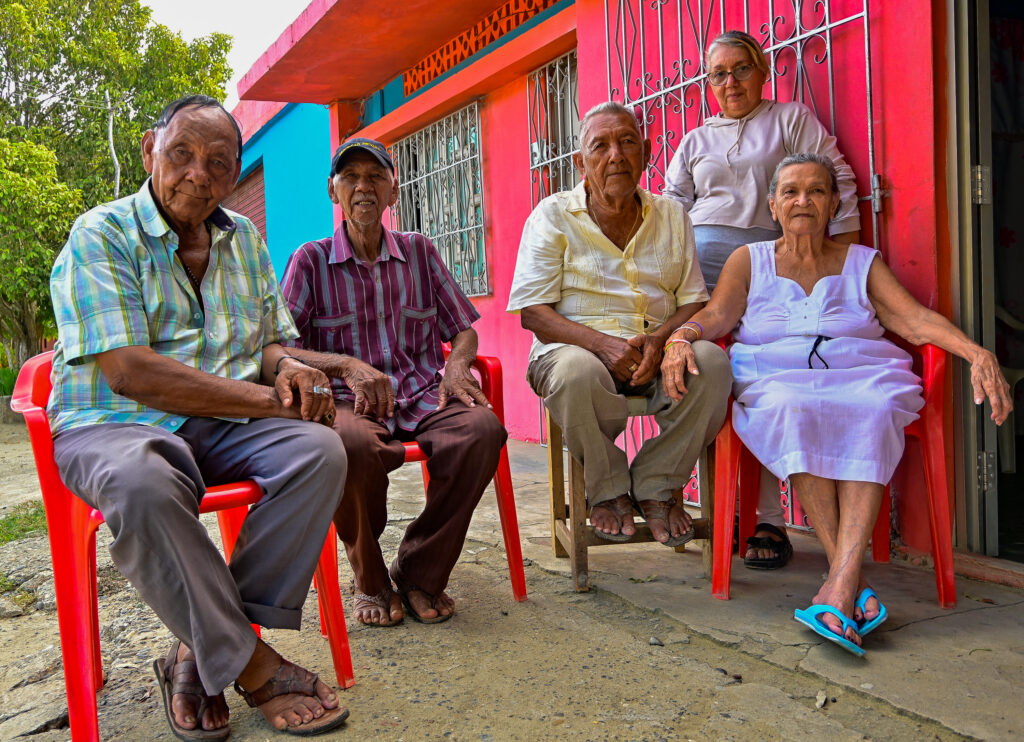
x,y
211,335
196,315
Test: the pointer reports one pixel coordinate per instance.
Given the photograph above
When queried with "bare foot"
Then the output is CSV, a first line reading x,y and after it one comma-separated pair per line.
x,y
665,519
427,607
185,705
614,517
872,606
841,599
287,695
382,609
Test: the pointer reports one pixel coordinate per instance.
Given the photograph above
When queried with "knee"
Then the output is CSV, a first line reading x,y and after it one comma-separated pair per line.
x,y
323,449
579,369
715,370
489,433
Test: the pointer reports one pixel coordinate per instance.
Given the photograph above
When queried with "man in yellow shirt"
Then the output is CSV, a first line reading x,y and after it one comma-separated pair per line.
x,y
605,273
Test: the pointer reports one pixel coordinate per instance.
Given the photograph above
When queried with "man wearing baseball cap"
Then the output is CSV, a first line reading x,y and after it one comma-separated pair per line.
x,y
373,308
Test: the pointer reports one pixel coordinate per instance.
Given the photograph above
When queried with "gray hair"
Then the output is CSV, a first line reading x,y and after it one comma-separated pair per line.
x,y
608,107
805,158
740,40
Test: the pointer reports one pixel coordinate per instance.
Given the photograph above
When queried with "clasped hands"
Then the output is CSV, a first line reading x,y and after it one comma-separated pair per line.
x,y
635,360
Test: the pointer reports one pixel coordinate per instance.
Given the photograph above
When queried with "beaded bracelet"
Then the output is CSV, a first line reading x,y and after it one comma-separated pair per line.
x,y
673,341
700,328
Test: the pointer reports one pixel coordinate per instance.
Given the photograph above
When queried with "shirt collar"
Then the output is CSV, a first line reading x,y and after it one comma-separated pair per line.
x,y
577,199
154,224
341,246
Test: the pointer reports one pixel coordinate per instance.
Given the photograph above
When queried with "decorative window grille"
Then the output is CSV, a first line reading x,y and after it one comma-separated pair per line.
x,y
814,47
441,194
554,108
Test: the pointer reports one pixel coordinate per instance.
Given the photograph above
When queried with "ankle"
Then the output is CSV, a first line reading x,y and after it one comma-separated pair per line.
x,y
261,667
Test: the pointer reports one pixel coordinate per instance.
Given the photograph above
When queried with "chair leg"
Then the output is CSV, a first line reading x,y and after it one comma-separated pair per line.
x,y
332,612
510,526
706,487
749,492
556,485
75,587
727,464
938,513
229,523
578,527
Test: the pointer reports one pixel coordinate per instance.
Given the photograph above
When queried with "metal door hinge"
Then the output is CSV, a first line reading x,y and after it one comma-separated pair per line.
x,y
981,184
986,470
877,194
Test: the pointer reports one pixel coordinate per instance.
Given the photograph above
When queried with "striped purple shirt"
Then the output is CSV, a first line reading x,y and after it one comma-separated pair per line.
x,y
393,314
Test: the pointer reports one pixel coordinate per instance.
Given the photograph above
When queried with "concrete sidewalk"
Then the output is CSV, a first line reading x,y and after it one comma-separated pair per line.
x,y
962,668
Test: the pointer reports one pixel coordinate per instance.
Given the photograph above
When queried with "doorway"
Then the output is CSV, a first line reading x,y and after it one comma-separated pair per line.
x,y
1006,40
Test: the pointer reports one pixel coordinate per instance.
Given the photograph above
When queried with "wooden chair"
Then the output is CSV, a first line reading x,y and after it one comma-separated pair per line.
x,y
738,472
571,535
72,525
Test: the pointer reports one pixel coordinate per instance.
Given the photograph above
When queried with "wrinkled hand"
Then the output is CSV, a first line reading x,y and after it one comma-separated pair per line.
x,y
620,357
679,360
374,395
297,377
458,381
651,363
988,382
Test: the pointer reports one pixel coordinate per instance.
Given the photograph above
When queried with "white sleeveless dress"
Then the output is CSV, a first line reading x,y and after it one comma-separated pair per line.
x,y
817,387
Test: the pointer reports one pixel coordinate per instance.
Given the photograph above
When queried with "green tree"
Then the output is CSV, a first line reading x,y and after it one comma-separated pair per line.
x,y
36,210
60,62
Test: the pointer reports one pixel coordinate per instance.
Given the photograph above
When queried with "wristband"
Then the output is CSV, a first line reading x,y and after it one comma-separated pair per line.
x,y
673,341
277,366
699,330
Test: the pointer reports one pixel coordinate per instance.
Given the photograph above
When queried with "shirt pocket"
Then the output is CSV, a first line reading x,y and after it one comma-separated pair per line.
x,y
245,318
335,334
418,328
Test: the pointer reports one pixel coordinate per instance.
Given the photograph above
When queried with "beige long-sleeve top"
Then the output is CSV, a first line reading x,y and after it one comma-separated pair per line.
x,y
722,170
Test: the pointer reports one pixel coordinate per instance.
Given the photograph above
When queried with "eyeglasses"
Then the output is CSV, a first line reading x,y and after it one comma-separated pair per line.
x,y
741,72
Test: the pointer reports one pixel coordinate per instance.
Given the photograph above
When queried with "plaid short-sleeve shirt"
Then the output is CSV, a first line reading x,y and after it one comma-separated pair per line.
x,y
392,314
117,283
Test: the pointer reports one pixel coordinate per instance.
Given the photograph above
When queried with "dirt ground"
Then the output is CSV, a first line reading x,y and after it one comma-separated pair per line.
x,y
559,666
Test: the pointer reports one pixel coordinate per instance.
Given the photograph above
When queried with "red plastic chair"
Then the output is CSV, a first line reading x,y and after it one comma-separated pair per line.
x,y
489,369
736,468
72,528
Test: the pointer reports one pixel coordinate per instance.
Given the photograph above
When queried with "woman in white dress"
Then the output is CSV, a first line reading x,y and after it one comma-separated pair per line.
x,y
821,396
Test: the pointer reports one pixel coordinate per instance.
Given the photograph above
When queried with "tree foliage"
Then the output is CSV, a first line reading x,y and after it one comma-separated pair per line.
x,y
60,61
36,209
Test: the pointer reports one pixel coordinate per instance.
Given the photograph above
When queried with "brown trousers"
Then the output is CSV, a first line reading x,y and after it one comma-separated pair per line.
x,y
463,444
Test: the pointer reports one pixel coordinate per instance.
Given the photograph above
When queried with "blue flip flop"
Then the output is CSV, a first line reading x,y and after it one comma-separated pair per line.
x,y
811,618
866,627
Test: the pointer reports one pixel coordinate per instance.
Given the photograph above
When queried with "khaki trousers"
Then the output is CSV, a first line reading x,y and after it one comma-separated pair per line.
x,y
590,408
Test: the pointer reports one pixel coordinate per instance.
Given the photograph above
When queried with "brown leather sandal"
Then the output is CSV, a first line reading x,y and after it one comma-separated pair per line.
x,y
619,507
659,510
288,679
181,677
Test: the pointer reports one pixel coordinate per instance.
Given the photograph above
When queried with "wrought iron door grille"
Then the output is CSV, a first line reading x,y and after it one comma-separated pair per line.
x,y
441,194
554,110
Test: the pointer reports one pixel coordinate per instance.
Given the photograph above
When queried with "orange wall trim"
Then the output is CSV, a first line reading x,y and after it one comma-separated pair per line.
x,y
509,61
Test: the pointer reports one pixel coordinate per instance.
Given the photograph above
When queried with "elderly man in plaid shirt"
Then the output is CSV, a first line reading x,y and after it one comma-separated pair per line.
x,y
373,308
169,376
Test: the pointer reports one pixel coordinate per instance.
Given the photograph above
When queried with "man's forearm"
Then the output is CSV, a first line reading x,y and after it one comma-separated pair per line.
x,y
143,375
551,327
464,347
335,365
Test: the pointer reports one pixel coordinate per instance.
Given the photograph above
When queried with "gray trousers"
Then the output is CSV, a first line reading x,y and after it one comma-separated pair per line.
x,y
589,407
148,483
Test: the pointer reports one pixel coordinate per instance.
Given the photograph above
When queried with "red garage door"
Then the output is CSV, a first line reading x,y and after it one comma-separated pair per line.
x,y
249,200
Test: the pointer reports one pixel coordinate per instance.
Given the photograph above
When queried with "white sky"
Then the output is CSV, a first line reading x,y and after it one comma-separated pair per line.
x,y
253,25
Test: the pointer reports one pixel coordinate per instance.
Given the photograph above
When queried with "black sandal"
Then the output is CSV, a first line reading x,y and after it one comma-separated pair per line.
x,y
781,550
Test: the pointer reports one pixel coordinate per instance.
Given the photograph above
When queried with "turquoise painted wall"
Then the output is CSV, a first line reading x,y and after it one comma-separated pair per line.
x,y
295,150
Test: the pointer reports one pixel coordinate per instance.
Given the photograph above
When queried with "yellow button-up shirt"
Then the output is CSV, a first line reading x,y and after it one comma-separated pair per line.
x,y
566,260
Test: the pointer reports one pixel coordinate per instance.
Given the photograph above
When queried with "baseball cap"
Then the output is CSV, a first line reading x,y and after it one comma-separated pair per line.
x,y
375,148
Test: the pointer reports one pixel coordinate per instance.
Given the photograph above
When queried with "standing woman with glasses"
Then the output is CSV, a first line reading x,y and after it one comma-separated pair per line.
x,y
721,172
